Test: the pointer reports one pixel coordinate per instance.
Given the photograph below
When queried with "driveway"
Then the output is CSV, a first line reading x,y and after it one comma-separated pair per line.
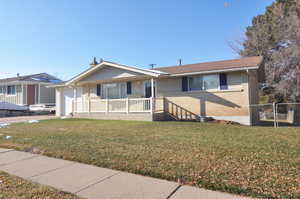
x,y
26,118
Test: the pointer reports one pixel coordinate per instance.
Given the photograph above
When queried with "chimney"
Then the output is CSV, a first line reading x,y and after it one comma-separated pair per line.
x,y
180,62
94,62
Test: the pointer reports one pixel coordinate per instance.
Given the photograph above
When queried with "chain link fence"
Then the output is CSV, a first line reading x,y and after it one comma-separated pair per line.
x,y
287,114
277,115
262,114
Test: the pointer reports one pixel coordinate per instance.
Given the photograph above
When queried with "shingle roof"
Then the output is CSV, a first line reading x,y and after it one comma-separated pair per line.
x,y
213,66
40,77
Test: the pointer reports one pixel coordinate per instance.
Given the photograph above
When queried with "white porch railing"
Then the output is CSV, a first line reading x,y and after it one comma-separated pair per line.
x,y
127,105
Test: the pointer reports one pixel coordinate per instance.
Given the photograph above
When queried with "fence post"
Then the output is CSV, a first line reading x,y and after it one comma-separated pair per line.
x,y
274,111
127,105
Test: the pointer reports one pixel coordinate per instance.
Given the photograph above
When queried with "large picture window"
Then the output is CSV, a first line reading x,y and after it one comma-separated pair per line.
x,y
211,82
11,90
196,83
207,82
114,91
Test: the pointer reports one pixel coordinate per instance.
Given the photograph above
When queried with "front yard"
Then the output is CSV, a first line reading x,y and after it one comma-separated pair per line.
x,y
257,161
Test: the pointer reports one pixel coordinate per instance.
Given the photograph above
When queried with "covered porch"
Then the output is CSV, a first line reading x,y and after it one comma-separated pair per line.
x,y
133,98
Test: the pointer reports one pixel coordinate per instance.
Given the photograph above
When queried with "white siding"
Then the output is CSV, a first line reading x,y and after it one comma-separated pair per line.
x,y
14,99
108,73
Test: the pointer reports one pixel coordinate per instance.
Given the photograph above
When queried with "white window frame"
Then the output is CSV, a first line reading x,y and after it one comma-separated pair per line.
x,y
14,89
203,85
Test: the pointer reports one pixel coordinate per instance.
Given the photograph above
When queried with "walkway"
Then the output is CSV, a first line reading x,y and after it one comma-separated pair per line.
x,y
94,182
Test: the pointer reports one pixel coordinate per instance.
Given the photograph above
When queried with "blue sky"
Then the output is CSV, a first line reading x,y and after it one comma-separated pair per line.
x,y
62,36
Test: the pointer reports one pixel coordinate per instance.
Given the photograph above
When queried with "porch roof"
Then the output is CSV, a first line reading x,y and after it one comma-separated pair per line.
x,y
144,72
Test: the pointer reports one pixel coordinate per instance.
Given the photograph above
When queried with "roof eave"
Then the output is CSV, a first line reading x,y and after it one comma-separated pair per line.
x,y
215,71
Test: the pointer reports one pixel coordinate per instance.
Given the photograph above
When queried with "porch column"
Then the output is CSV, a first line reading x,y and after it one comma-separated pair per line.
x,y
89,100
152,96
75,99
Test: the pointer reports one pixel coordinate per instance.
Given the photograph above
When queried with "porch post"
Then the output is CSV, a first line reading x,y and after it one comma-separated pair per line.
x,y
75,99
89,99
152,96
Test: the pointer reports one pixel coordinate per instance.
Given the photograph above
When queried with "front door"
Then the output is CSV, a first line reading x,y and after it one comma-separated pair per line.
x,y
148,90
30,94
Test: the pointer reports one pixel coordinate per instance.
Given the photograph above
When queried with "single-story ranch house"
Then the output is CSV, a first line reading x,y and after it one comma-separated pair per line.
x,y
222,90
28,90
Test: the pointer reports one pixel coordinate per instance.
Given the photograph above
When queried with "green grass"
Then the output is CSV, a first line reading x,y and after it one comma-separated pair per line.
x,y
12,187
256,161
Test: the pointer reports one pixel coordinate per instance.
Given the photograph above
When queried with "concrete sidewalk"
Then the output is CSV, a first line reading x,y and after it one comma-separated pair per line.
x,y
97,183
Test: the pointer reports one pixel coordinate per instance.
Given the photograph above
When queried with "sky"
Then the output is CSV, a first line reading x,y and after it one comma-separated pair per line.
x,y
61,37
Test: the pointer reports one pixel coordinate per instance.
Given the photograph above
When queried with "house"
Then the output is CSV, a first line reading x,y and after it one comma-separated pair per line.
x,y
28,90
222,90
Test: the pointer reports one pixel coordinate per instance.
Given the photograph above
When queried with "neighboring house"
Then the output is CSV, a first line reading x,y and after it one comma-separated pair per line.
x,y
222,89
28,90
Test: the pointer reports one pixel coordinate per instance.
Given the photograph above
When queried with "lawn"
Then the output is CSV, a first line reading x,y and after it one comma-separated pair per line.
x,y
255,161
12,187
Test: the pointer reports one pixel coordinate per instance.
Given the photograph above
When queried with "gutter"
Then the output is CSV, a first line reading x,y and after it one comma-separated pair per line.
x,y
213,71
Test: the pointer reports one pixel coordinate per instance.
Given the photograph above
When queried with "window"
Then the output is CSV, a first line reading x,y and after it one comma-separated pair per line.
x,y
148,89
195,83
129,88
223,81
98,90
114,91
211,82
11,90
206,82
2,90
